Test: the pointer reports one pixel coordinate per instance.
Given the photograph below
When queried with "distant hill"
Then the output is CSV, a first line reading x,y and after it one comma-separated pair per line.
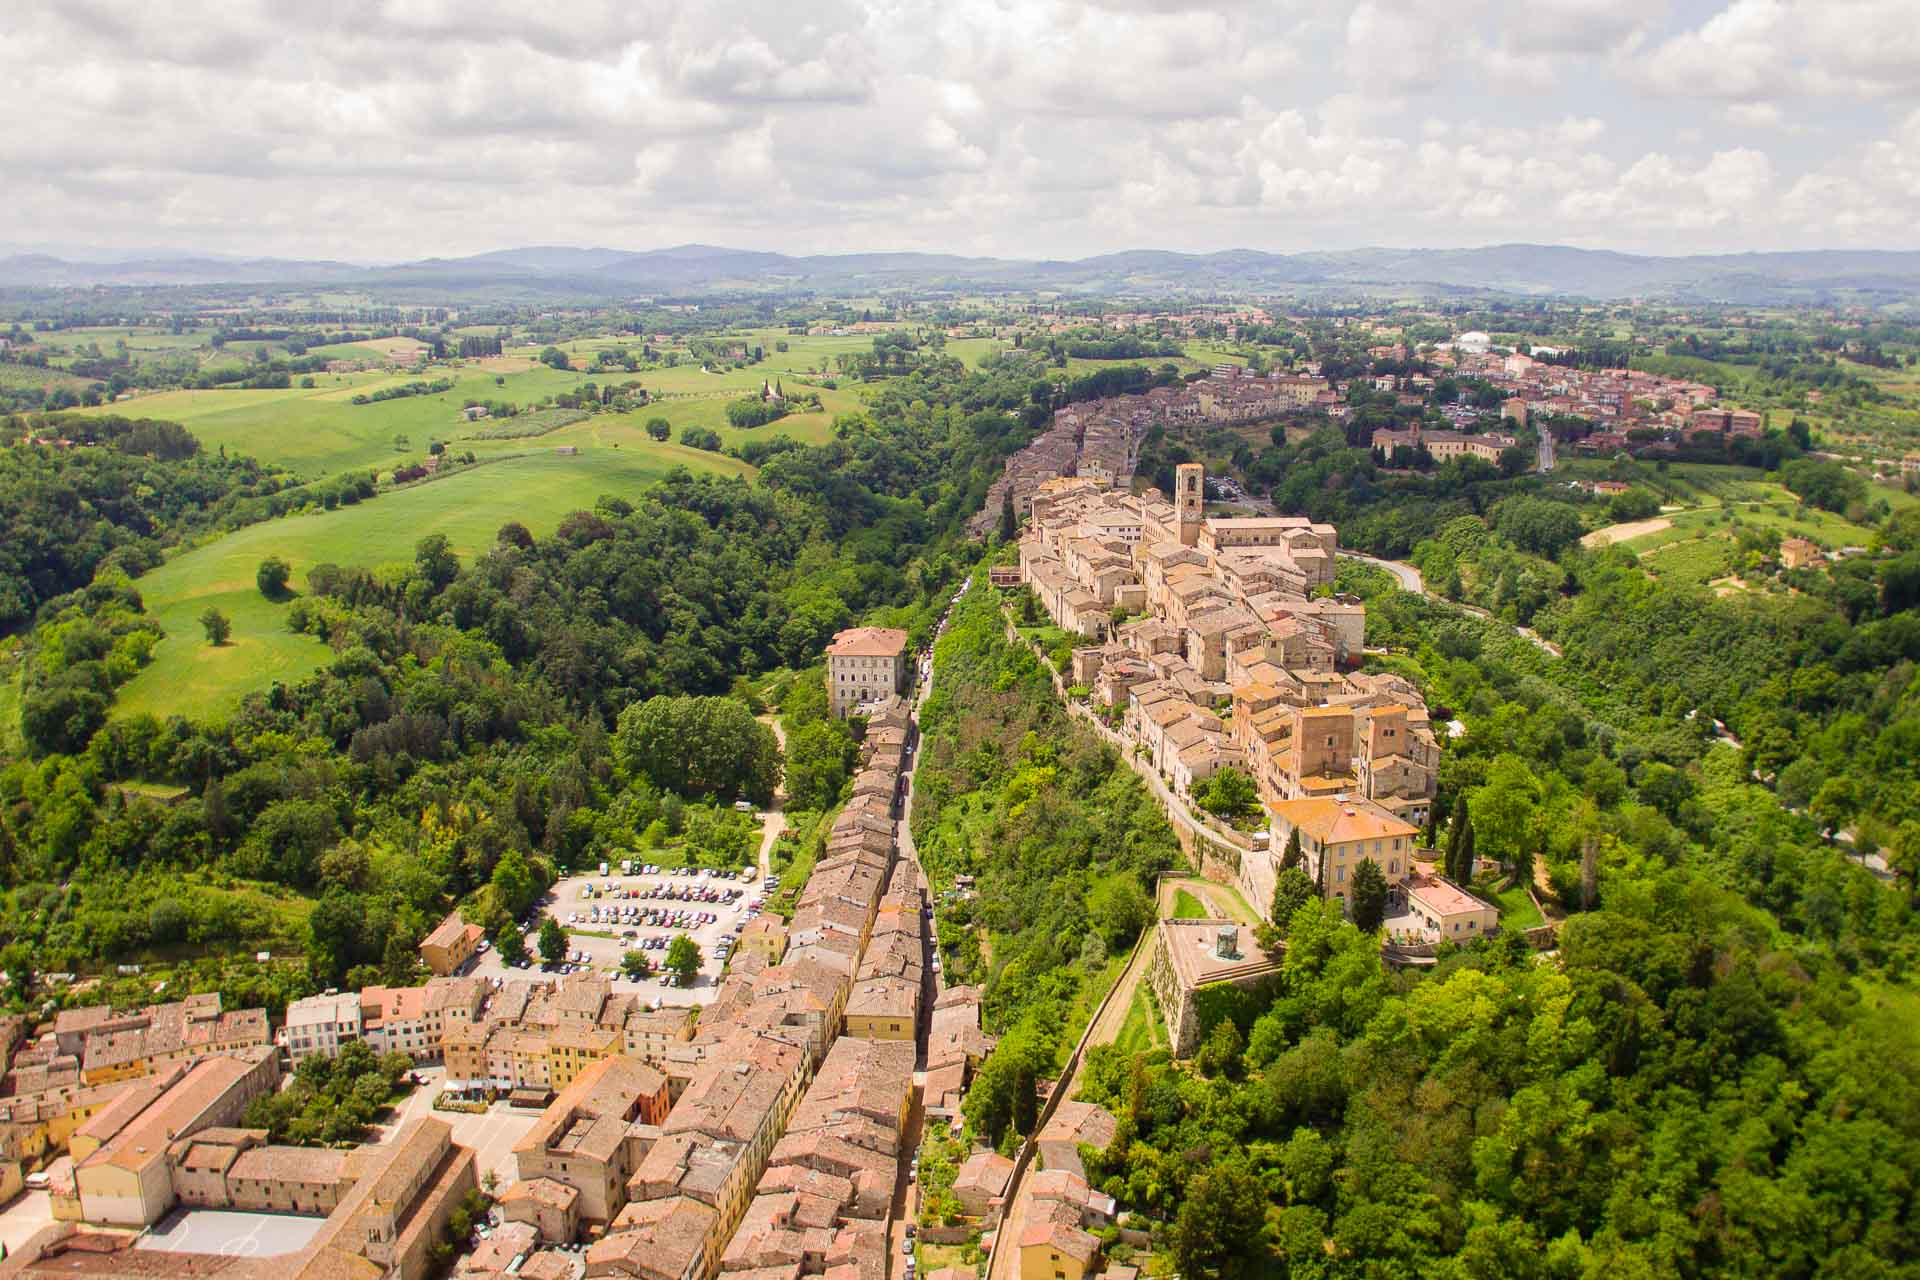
x,y
1515,269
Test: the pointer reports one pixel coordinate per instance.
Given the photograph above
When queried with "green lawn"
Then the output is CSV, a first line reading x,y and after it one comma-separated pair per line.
x,y
1188,907
1517,910
1142,1030
537,488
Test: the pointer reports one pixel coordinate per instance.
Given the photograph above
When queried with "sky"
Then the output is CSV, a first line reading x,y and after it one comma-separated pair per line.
x,y
372,131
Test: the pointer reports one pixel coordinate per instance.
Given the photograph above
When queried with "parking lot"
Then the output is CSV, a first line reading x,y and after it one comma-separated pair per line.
x,y
606,916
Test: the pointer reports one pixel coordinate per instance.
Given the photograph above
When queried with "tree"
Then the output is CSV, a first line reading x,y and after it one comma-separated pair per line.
x,y
699,746
271,577
1835,804
1009,525
636,965
1504,811
819,761
1903,855
1222,1226
510,943
1220,1051
659,428
1459,859
1294,855
215,624
553,941
514,883
433,556
515,534
555,358
1118,909
1291,891
1369,895
683,959
1229,793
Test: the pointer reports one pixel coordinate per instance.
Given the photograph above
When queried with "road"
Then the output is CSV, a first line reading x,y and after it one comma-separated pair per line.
x,y
1410,580
906,1194
776,816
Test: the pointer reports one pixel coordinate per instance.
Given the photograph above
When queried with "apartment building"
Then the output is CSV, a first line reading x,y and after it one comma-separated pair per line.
x,y
1336,834
122,1168
321,1024
865,665
450,945
108,1045
594,1134
716,1141
388,1223
413,1020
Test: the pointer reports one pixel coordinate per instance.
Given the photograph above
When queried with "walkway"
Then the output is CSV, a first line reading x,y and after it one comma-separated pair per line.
x,y
775,815
1104,1029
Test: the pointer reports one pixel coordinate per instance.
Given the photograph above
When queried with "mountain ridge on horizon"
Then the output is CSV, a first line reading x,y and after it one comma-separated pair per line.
x,y
1517,268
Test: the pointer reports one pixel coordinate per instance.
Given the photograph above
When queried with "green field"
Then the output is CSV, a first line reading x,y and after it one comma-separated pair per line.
x,y
1188,907
319,431
20,377
537,487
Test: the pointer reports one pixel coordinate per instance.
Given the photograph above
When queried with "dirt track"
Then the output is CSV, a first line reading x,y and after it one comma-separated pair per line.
x,y
1621,532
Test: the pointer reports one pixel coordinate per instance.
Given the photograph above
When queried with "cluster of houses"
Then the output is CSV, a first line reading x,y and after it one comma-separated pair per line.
x,y
763,1137
1618,401
174,1138
1099,440
1231,651
767,1141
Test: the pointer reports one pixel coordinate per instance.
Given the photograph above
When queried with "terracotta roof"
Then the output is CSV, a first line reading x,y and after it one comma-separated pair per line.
x,y
1333,820
868,642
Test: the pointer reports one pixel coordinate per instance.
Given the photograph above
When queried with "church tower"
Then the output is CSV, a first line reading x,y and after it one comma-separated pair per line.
x,y
1190,500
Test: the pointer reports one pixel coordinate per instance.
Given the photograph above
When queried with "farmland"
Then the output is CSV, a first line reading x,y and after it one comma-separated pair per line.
x,y
319,431
535,487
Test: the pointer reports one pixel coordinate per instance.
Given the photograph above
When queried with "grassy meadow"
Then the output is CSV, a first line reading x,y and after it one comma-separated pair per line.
x,y
537,486
318,431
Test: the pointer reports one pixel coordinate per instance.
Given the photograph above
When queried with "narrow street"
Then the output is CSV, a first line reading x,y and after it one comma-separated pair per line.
x,y
906,1194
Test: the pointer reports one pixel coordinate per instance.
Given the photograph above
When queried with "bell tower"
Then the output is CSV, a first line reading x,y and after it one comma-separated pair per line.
x,y
1190,500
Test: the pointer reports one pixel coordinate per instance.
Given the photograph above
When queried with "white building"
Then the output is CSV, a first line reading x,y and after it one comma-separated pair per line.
x,y
321,1024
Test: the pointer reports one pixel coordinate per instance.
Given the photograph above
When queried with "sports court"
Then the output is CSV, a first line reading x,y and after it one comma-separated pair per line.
x,y
231,1235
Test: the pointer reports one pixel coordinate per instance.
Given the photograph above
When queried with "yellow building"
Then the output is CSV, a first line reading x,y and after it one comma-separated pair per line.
x,y
452,941
1337,833
1057,1251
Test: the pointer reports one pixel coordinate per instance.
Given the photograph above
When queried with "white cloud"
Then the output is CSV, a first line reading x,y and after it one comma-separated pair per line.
x,y
1037,127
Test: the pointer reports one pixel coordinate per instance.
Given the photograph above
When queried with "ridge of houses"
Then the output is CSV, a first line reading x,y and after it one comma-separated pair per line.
x,y
1238,655
1099,440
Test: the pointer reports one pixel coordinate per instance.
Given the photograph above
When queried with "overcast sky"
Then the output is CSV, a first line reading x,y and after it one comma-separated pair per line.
x,y
380,131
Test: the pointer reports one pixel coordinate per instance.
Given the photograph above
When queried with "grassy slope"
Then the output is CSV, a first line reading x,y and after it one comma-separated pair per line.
x,y
538,488
319,431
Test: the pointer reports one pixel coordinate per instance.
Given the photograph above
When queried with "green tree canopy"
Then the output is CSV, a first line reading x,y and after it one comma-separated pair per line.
x,y
699,746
